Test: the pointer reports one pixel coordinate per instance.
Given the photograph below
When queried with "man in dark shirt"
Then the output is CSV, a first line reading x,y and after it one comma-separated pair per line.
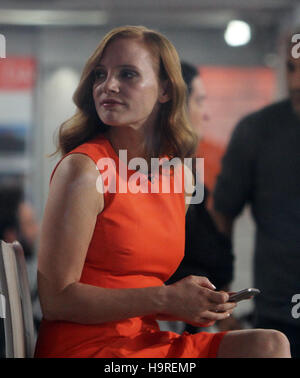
x,y
261,167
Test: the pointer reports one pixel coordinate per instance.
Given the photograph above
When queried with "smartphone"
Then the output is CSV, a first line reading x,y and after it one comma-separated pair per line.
x,y
243,294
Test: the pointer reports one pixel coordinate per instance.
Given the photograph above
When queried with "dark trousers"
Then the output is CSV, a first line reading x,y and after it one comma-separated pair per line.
x,y
290,331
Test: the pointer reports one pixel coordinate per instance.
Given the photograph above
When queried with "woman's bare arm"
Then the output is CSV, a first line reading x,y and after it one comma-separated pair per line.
x,y
68,224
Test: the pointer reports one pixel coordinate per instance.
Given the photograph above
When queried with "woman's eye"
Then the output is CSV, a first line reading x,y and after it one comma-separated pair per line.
x,y
99,75
128,74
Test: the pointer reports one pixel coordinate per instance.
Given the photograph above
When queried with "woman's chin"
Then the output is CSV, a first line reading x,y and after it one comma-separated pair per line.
x,y
111,122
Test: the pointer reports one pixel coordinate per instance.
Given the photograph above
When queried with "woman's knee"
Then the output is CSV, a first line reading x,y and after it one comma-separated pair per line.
x,y
272,343
258,343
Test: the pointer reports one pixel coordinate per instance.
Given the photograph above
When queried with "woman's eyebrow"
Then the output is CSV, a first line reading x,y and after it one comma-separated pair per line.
x,y
119,66
128,66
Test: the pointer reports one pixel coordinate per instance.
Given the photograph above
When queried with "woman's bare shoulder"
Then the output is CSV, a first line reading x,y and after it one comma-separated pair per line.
x,y
76,164
77,173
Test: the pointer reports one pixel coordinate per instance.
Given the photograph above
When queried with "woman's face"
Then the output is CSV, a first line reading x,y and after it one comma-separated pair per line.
x,y
196,106
127,91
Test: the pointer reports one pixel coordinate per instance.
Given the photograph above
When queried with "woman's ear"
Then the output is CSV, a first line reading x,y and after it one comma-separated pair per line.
x,y
165,92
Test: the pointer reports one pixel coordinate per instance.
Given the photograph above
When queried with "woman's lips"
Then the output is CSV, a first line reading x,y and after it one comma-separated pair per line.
x,y
110,103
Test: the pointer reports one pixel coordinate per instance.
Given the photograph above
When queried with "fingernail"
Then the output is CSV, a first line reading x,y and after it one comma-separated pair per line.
x,y
213,286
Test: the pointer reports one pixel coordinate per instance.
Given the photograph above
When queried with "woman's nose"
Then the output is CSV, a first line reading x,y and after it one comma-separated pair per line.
x,y
111,84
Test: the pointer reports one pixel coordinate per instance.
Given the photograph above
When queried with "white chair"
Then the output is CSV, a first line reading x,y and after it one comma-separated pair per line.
x,y
15,302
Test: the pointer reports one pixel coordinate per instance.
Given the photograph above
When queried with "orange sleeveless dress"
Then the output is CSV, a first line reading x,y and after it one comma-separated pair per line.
x,y
138,241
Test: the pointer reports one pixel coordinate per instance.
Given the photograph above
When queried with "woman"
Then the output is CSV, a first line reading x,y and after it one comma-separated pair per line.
x,y
196,97
103,258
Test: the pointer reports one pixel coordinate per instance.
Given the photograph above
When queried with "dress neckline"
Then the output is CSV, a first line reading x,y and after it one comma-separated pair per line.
x,y
149,175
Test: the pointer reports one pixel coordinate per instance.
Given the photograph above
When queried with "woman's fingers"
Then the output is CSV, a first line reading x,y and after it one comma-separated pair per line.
x,y
213,316
229,306
218,297
195,299
205,282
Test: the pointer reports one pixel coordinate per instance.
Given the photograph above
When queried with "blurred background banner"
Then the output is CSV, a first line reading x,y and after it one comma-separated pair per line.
x,y
232,93
17,78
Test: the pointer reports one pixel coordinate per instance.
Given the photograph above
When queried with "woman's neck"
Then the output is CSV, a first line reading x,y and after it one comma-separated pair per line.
x,y
129,139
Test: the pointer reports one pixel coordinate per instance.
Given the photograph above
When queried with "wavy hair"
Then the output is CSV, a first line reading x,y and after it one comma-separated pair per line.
x,y
172,135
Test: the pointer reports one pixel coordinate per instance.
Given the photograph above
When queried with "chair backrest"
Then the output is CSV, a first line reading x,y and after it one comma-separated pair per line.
x,y
15,294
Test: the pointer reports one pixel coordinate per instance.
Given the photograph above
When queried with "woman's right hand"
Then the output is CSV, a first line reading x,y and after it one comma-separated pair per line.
x,y
194,300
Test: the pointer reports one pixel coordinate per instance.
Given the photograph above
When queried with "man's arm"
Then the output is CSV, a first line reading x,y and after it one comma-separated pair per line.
x,y
234,187
223,222
235,183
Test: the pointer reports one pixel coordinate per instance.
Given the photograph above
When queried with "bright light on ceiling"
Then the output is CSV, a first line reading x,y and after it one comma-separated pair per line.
x,y
237,33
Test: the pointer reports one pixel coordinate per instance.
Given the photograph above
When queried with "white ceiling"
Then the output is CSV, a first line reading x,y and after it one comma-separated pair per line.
x,y
167,13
